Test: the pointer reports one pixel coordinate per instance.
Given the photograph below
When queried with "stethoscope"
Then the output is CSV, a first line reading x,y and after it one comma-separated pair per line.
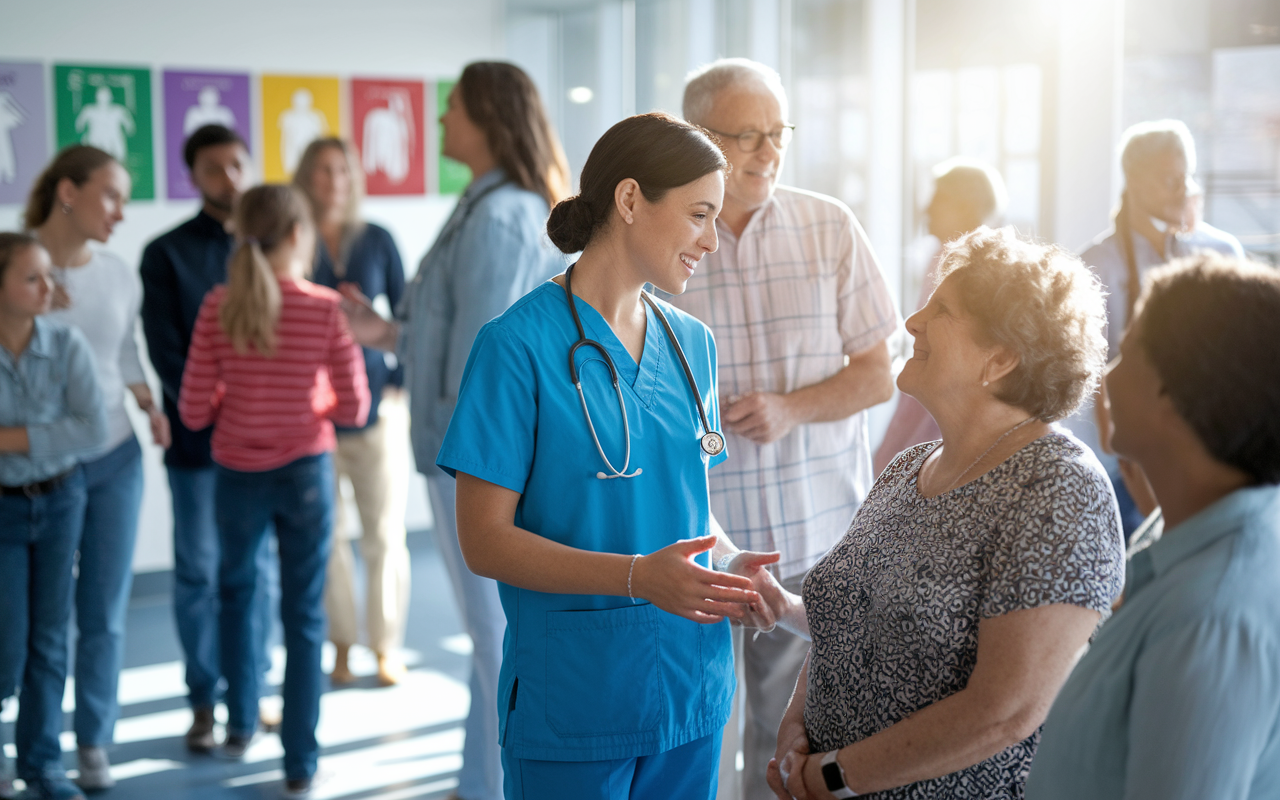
x,y
711,441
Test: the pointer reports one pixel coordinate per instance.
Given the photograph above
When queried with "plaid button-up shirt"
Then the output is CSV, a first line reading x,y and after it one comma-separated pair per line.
x,y
787,301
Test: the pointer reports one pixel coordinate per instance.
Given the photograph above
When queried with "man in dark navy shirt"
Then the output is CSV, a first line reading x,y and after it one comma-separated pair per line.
x,y
178,269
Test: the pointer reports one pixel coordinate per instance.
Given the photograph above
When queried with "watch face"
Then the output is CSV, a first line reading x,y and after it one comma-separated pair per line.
x,y
831,774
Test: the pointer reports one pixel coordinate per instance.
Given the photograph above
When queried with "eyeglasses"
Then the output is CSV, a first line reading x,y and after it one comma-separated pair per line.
x,y
751,141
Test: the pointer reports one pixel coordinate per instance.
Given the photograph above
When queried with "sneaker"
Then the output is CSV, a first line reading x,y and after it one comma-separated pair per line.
x,y
95,769
297,787
236,745
200,735
51,787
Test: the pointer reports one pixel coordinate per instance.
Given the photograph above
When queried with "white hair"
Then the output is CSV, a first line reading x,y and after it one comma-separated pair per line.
x,y
702,85
975,184
1143,140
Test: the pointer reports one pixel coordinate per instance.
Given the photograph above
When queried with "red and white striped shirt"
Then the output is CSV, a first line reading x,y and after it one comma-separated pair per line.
x,y
269,412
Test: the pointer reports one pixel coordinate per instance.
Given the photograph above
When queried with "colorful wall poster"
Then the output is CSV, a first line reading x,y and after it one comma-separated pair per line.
x,y
387,126
109,108
24,131
191,101
296,110
454,175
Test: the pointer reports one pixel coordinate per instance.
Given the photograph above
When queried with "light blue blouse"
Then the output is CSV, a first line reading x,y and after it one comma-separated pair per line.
x,y
592,678
1179,696
489,254
51,389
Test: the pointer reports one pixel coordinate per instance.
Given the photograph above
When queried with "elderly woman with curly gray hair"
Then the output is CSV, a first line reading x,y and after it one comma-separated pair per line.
x,y
979,567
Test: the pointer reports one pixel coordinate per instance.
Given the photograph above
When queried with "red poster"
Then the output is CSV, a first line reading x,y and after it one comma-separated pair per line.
x,y
388,125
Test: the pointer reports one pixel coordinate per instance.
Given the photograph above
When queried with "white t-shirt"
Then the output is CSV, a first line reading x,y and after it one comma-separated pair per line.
x,y
106,296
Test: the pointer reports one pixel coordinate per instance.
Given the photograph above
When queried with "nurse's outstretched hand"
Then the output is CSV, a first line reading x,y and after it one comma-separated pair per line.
x,y
671,580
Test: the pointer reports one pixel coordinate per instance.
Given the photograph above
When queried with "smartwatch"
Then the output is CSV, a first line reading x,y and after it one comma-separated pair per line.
x,y
833,776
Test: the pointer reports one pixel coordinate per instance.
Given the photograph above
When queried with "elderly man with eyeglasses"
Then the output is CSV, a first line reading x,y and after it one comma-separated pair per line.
x,y
800,312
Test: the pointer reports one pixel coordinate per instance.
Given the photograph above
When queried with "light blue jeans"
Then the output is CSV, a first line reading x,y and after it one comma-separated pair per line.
x,y
482,615
688,772
113,484
37,555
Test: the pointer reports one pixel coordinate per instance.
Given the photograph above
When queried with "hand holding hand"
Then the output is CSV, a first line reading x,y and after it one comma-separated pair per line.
x,y
792,739
671,580
762,417
777,601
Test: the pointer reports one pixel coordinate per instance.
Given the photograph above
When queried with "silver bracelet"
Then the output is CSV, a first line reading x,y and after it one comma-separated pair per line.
x,y
631,572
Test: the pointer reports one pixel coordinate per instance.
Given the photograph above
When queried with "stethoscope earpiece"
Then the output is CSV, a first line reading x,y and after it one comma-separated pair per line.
x,y
711,442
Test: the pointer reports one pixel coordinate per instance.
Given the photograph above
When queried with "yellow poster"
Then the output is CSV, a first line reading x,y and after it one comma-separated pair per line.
x,y
296,110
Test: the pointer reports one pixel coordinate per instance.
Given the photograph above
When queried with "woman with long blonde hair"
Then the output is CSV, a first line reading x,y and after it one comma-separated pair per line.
x,y
273,367
490,253
373,458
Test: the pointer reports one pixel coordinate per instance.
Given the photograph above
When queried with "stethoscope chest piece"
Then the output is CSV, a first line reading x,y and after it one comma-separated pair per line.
x,y
712,443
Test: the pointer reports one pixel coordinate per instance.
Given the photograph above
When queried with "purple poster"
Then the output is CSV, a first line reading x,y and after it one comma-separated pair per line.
x,y
24,131
195,99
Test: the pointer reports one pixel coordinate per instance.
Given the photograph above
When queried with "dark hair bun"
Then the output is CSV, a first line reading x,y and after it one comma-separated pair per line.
x,y
571,224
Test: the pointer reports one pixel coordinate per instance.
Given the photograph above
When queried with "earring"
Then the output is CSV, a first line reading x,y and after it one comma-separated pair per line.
x,y
984,383
66,208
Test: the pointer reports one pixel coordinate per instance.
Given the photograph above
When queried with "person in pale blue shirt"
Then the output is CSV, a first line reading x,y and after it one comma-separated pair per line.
x,y
51,417
1157,221
1179,695
490,253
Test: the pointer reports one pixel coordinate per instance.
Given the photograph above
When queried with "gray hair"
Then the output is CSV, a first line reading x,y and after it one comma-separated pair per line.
x,y
702,85
1145,139
975,184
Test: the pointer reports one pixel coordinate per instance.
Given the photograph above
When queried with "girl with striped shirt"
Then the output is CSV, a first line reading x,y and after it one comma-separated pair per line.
x,y
273,367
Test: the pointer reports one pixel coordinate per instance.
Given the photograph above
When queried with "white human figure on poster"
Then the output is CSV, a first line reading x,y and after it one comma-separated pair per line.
x,y
11,116
106,124
299,126
388,137
208,110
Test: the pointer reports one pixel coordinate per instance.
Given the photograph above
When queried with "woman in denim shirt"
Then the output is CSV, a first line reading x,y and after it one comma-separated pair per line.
x,y
490,253
51,415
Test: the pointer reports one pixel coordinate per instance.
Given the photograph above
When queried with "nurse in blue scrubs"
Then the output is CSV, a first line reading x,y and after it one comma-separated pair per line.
x,y
585,495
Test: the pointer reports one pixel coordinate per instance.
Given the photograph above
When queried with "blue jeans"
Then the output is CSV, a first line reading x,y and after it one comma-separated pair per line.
x,y
38,539
687,772
113,484
195,582
298,499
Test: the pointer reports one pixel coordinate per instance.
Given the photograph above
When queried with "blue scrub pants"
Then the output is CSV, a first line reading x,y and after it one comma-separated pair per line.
x,y
298,498
38,539
114,486
688,772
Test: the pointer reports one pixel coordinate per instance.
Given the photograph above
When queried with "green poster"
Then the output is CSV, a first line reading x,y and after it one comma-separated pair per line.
x,y
454,175
109,108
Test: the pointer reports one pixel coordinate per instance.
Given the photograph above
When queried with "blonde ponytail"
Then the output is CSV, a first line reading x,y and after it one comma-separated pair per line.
x,y
265,217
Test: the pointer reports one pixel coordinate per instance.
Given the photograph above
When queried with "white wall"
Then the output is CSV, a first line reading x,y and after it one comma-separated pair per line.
x,y
395,38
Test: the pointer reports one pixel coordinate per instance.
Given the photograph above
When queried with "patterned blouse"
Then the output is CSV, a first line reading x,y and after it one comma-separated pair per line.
x,y
894,607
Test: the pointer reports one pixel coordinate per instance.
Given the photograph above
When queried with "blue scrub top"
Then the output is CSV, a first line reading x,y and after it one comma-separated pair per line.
x,y
593,678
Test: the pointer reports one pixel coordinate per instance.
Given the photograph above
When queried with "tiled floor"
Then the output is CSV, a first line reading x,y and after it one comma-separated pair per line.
x,y
401,743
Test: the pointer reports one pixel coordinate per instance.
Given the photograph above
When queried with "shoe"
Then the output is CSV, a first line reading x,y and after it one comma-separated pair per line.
x,y
200,735
342,674
390,670
269,716
297,787
236,745
95,769
50,787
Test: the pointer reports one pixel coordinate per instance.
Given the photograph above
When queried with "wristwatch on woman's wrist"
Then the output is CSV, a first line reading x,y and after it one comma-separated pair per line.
x,y
833,776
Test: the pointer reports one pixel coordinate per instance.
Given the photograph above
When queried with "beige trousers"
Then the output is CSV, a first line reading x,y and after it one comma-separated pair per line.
x,y
376,463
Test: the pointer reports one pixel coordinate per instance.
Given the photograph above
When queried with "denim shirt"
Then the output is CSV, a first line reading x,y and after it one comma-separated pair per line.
x,y
370,260
491,252
50,389
1179,695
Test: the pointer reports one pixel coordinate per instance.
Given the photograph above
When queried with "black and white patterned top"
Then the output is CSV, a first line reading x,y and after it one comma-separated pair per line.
x,y
894,607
